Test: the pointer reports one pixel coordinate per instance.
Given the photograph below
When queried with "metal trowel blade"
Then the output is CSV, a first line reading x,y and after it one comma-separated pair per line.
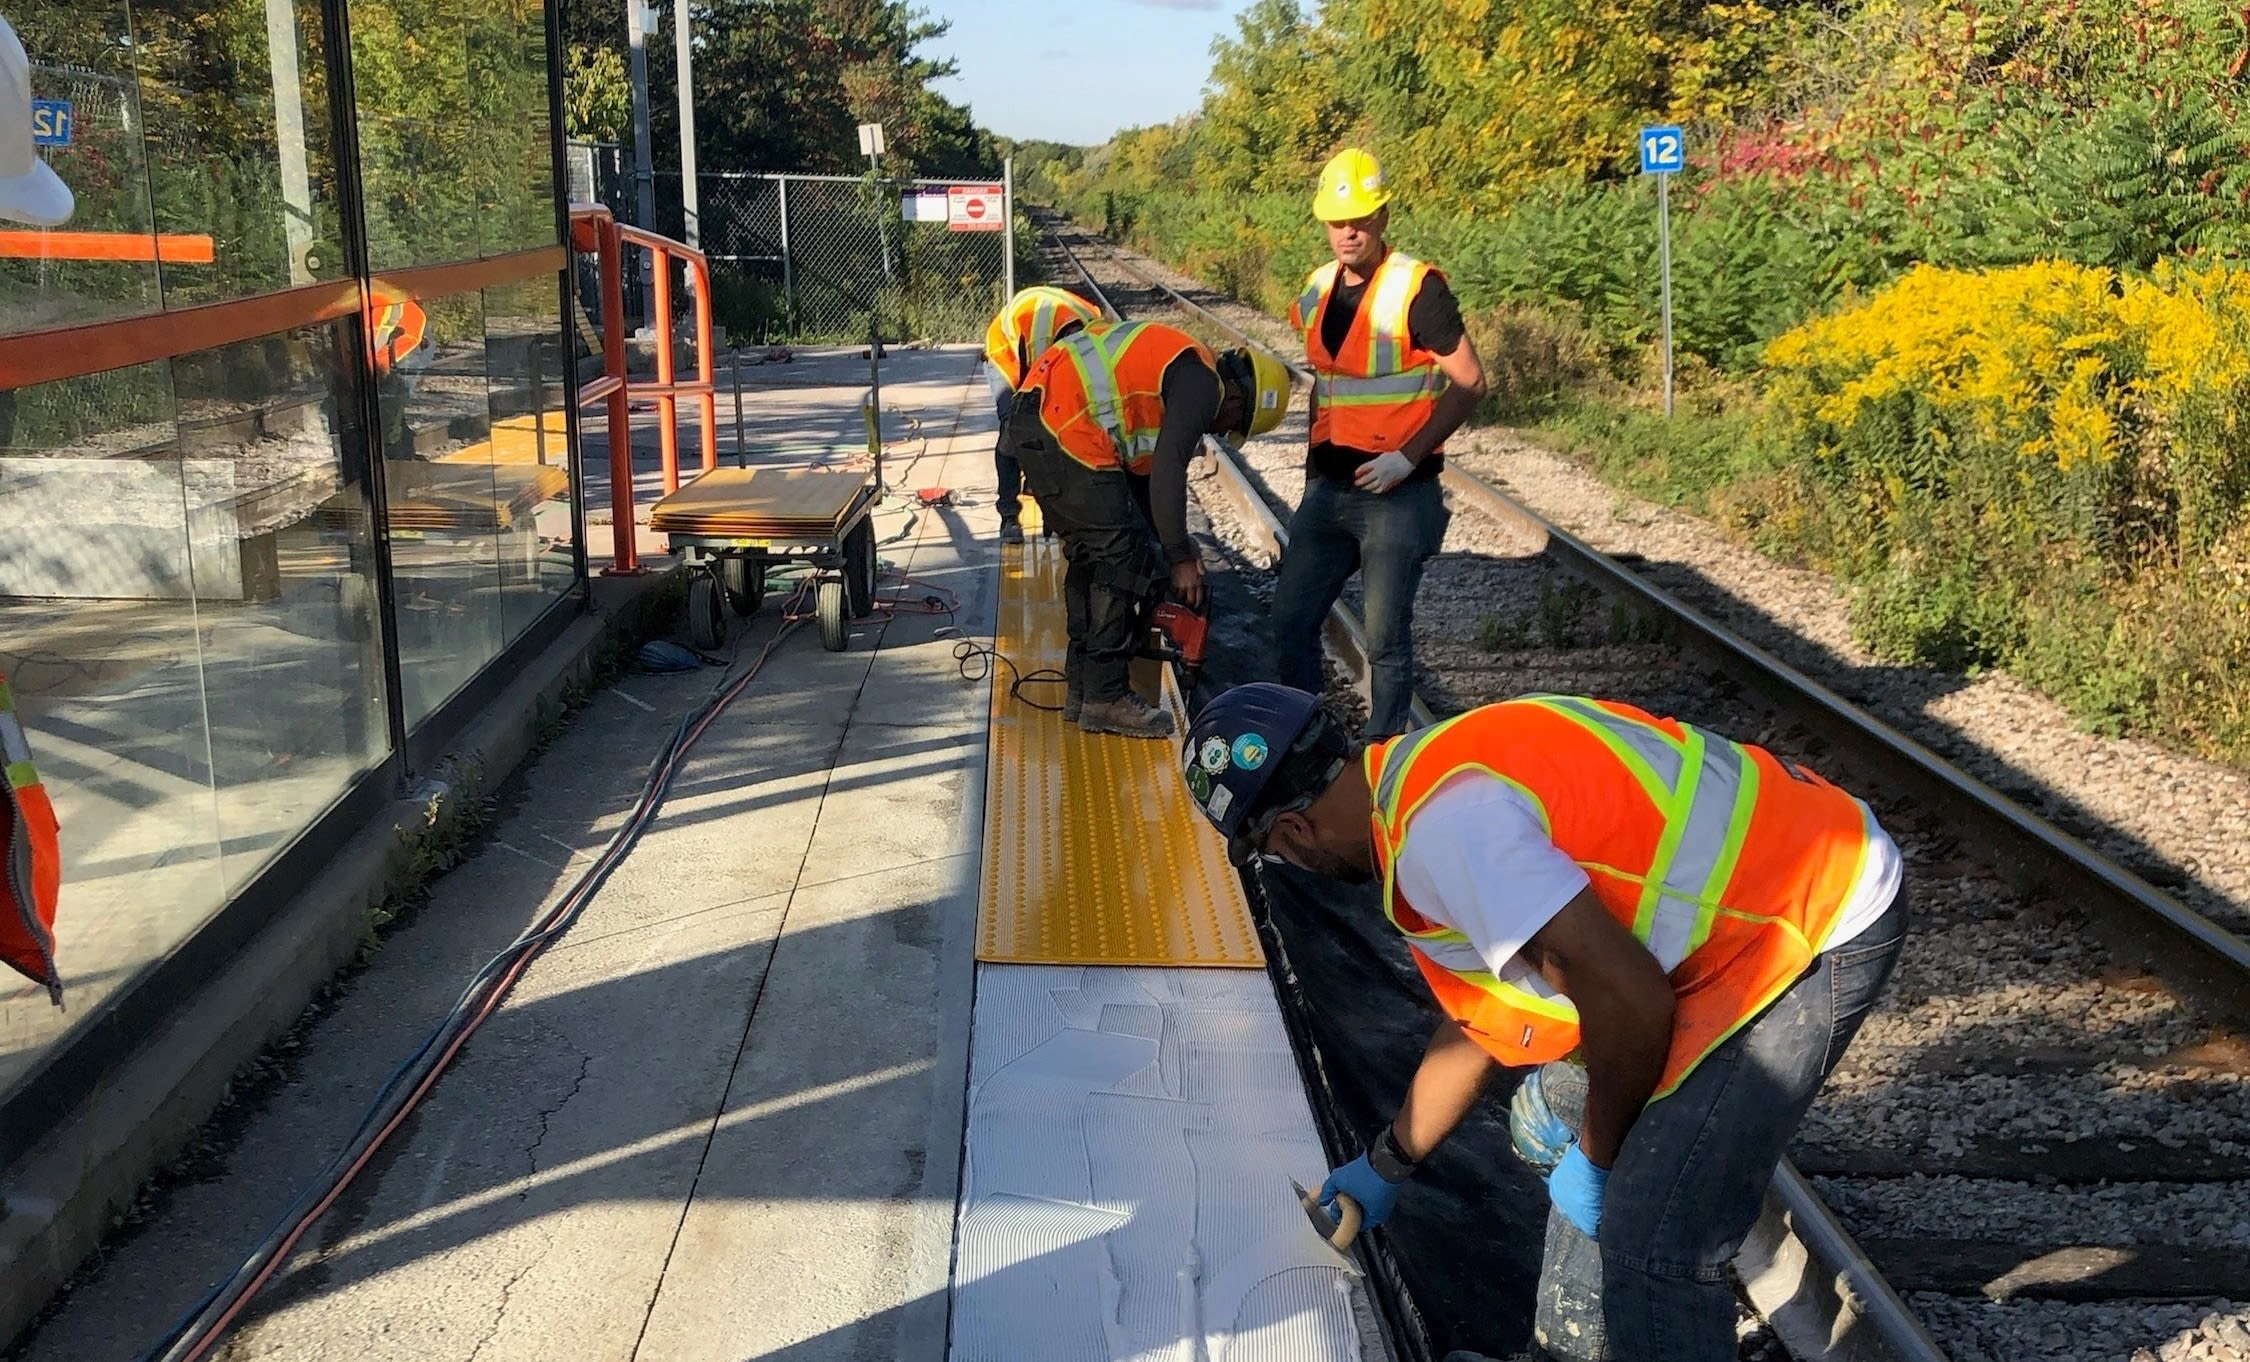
x,y
1334,1235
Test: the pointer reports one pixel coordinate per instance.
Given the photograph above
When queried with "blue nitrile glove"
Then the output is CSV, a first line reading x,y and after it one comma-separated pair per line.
x,y
1577,1187
1538,1134
1359,1181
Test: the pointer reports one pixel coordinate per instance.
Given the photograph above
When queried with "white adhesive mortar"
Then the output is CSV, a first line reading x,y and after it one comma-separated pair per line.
x,y
1131,1138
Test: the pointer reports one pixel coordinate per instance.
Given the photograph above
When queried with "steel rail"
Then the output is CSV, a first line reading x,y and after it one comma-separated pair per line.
x,y
1800,1268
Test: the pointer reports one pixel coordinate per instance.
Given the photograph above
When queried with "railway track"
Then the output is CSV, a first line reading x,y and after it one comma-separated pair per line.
x,y
2039,1147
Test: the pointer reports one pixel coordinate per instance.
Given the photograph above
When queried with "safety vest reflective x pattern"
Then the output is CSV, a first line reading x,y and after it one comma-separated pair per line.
x,y
1728,863
1027,326
30,859
1101,390
1379,389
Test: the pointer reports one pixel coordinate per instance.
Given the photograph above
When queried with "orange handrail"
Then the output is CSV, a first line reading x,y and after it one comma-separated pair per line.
x,y
169,248
595,230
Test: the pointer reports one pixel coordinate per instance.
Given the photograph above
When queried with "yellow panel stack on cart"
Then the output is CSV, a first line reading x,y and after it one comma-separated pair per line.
x,y
1094,854
762,503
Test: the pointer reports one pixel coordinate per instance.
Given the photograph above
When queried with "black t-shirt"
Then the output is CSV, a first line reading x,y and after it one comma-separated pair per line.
x,y
1433,321
1192,393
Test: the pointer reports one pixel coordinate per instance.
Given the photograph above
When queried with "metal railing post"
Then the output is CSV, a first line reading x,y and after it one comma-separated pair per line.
x,y
699,268
667,402
624,553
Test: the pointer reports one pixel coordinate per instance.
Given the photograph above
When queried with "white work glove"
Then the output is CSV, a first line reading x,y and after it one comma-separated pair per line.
x,y
1383,472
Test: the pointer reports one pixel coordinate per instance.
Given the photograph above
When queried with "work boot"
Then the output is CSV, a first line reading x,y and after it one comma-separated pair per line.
x,y
1011,532
1128,716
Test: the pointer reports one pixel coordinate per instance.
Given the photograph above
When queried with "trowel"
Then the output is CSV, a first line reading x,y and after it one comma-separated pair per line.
x,y
1337,1233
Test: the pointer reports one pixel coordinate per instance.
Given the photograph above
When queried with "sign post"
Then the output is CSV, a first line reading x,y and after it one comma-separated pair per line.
x,y
871,146
1664,154
1007,228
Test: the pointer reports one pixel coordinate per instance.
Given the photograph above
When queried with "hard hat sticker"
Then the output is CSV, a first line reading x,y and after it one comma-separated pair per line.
x,y
1373,182
1199,783
1213,754
1250,751
1222,799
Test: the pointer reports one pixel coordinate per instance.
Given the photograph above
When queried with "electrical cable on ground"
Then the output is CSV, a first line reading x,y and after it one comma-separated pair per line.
x,y
199,1330
196,1332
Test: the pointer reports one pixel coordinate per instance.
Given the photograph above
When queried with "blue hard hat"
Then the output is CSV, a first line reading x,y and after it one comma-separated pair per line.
x,y
1255,753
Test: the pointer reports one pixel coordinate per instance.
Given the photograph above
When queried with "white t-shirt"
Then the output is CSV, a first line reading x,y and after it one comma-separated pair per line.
x,y
1478,860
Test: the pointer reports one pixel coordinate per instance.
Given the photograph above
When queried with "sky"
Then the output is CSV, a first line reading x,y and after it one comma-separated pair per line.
x,y
1078,70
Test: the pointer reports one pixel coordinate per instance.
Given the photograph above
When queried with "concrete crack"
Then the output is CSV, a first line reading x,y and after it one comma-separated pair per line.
x,y
546,1113
507,1289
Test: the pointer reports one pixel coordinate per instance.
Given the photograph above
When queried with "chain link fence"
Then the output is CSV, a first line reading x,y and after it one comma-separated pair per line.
x,y
825,258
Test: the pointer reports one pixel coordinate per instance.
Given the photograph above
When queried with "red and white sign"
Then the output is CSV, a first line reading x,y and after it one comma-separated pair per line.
x,y
974,207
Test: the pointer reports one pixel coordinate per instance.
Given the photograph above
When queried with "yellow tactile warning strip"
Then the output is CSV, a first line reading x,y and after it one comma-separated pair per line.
x,y
1093,854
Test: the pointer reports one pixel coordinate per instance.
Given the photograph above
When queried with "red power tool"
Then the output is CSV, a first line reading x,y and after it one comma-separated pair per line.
x,y
1177,634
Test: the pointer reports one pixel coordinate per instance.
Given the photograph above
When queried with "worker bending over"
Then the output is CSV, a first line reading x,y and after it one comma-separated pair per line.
x,y
1105,424
1702,924
1394,373
1034,319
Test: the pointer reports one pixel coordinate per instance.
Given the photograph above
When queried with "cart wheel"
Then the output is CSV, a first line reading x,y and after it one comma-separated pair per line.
x,y
833,635
745,580
706,612
859,569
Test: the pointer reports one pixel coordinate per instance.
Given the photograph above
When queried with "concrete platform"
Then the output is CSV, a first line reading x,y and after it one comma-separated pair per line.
x,y
721,1119
725,1117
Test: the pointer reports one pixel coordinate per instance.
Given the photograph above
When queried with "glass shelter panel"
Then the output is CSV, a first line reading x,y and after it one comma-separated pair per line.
x,y
532,472
186,620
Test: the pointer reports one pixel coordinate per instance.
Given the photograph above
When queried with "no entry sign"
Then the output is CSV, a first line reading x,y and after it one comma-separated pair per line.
x,y
974,207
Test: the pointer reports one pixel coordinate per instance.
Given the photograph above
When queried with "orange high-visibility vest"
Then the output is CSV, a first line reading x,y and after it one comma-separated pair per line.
x,y
30,859
1027,326
1101,390
1728,863
1380,388
398,328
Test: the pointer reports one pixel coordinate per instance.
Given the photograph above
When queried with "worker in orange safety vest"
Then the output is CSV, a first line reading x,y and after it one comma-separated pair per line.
x,y
1105,424
1394,374
1034,319
30,859
398,327
1687,929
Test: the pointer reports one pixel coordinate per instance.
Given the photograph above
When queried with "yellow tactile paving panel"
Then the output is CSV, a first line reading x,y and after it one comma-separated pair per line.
x,y
1093,854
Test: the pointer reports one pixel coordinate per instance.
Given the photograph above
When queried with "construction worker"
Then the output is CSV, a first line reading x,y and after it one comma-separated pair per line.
x,y
1105,423
1034,319
1394,374
1702,924
30,858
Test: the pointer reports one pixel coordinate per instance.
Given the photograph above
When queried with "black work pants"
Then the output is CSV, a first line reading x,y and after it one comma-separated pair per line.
x,y
1116,570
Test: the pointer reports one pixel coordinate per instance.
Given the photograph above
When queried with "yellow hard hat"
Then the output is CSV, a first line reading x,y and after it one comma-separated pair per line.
x,y
1351,186
1269,400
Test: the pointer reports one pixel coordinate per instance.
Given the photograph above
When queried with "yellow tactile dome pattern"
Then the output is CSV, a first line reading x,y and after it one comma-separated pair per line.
x,y
1093,854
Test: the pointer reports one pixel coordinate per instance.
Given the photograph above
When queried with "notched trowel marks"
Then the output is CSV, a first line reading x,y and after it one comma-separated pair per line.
x,y
1131,1137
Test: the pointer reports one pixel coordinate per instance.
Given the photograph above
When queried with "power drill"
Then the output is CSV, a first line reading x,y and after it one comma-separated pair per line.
x,y
1177,634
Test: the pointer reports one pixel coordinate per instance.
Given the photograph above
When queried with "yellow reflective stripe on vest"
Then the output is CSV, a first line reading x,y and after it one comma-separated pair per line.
x,y
1388,301
1707,790
14,750
1097,374
1338,390
1305,312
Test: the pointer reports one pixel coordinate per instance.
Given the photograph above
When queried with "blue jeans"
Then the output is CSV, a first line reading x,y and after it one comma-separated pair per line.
x,y
1385,537
1691,1178
1006,469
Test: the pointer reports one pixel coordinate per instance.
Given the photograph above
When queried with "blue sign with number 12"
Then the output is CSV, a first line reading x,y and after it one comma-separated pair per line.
x,y
1663,151
50,122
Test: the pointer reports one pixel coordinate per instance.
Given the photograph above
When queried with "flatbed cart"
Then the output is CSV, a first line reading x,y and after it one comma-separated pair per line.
x,y
731,526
